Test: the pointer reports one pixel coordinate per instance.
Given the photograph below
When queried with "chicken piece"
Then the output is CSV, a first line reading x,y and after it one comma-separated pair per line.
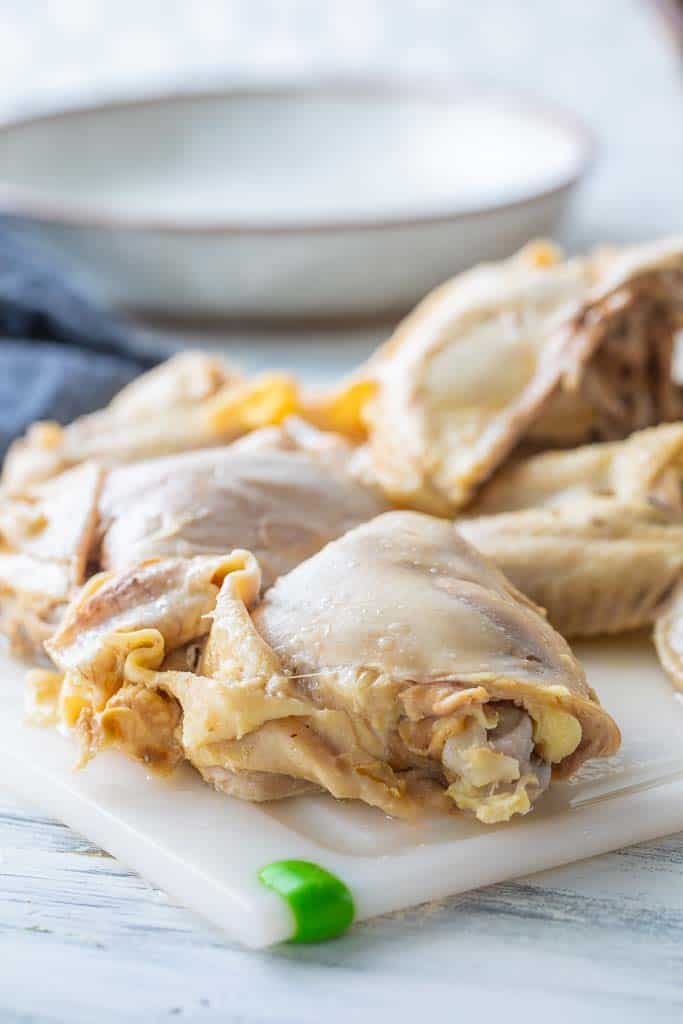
x,y
464,375
647,466
46,533
341,409
594,535
668,637
535,349
411,624
174,596
395,666
281,492
619,372
191,401
139,722
170,601
597,565
162,607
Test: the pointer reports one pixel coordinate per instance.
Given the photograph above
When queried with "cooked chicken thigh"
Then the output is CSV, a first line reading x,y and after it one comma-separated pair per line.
x,y
619,368
647,466
594,535
191,401
464,375
395,666
282,493
533,350
167,604
597,565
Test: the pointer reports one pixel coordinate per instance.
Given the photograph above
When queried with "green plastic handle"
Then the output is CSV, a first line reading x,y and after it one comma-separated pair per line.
x,y
322,905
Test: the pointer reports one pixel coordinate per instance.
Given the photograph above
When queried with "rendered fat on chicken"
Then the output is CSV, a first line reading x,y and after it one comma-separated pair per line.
x,y
535,349
395,666
191,401
283,491
593,535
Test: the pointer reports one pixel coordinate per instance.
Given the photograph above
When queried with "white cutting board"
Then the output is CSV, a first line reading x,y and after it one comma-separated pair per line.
x,y
205,849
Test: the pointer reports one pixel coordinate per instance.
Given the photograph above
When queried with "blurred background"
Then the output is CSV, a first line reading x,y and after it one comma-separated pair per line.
x,y
616,65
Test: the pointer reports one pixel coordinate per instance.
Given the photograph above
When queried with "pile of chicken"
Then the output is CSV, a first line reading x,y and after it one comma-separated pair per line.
x,y
348,591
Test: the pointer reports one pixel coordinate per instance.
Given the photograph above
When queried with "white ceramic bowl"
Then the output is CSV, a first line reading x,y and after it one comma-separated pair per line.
x,y
302,201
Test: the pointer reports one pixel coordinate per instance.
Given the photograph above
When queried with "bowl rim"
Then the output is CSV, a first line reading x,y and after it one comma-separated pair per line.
x,y
31,203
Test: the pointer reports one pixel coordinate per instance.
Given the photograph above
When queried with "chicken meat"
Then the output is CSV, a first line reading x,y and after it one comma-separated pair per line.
x,y
593,535
534,351
669,637
282,491
395,666
47,532
191,401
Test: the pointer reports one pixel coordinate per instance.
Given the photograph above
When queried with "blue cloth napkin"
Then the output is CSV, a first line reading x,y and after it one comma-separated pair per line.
x,y
60,355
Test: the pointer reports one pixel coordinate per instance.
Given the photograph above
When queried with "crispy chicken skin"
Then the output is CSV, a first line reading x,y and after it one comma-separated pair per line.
x,y
593,535
193,400
533,350
395,666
